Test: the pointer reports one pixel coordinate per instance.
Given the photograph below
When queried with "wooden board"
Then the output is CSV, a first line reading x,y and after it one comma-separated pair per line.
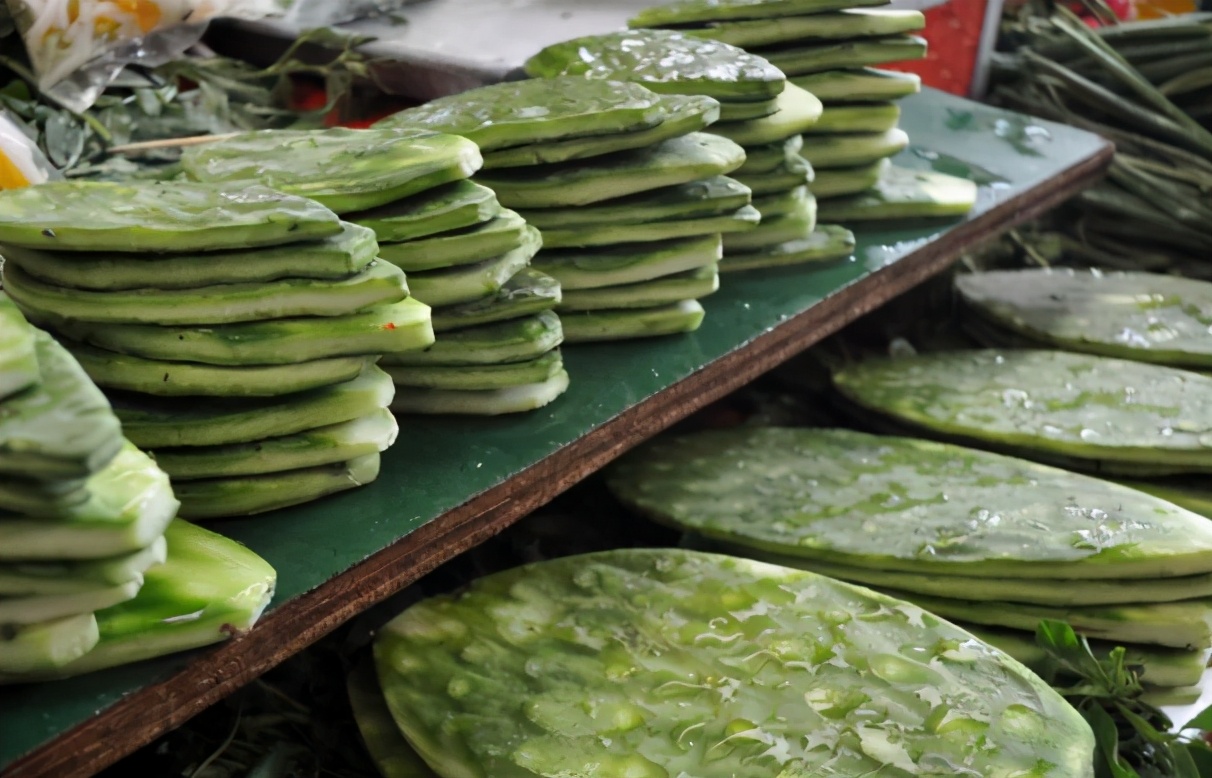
x,y
450,483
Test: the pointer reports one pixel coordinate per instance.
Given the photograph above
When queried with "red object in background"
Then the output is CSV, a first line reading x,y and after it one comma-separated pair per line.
x,y
310,96
1121,8
960,34
954,29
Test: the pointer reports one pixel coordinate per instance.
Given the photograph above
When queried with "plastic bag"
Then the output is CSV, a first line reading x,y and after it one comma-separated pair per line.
x,y
77,47
21,162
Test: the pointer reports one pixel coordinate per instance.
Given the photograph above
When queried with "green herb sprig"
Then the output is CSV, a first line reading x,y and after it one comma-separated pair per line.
x,y
1134,739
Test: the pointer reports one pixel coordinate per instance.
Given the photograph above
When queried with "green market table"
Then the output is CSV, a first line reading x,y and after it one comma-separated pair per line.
x,y
450,483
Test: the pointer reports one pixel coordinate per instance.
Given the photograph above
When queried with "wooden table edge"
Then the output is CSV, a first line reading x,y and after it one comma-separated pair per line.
x,y
139,718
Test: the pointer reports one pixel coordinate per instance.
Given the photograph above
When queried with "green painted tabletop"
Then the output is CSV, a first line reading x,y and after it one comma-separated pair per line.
x,y
70,727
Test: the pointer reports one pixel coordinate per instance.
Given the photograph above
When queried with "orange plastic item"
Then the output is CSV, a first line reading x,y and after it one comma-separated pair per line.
x,y
21,163
1156,9
11,176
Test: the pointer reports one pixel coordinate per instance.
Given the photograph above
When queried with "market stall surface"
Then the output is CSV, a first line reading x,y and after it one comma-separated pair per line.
x,y
449,482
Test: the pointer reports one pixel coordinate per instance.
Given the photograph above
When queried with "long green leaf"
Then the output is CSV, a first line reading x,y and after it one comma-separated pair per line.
x,y
1184,206
1201,721
1201,757
1103,99
1116,66
1106,738
1190,81
1184,763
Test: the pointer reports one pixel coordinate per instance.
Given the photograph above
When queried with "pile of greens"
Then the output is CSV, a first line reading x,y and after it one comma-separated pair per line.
x,y
758,109
560,150
831,51
294,407
94,571
464,254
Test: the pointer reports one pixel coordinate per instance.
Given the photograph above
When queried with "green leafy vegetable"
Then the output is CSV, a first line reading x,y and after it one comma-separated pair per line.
x,y
1134,739
196,95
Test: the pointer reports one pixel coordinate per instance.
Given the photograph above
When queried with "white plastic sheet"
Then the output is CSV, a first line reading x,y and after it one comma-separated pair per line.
x,y
76,47
21,162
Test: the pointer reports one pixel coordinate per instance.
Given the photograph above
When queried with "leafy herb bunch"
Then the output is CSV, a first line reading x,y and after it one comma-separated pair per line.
x,y
198,94
1133,739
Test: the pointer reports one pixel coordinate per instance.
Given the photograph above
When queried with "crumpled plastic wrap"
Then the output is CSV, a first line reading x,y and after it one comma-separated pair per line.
x,y
77,47
21,162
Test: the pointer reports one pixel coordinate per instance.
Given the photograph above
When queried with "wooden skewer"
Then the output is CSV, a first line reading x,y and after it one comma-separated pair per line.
x,y
169,143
